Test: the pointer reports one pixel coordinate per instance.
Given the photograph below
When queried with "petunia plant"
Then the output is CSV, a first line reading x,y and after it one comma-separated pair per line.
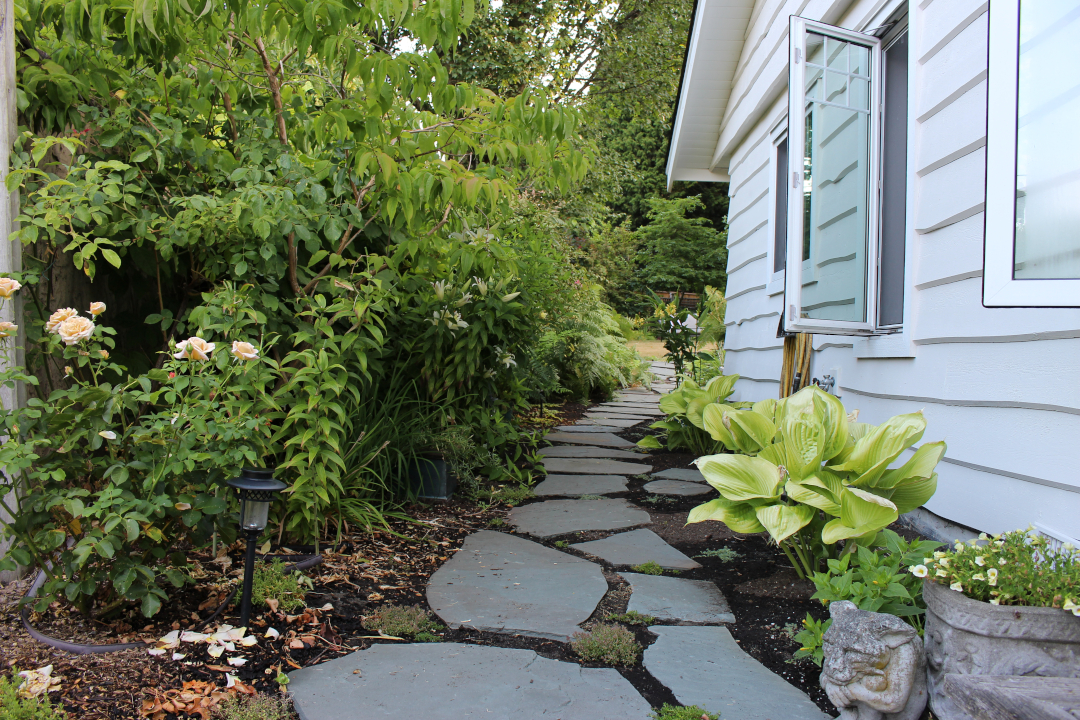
x,y
811,476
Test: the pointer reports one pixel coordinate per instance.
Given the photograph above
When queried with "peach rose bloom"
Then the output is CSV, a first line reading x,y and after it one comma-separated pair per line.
x,y
58,317
194,348
97,308
75,329
8,287
7,329
244,351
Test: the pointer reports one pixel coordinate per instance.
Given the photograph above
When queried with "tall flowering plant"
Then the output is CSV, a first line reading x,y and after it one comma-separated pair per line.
x,y
1016,568
117,475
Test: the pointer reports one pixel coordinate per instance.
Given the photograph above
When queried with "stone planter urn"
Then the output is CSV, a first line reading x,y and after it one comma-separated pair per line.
x,y
970,637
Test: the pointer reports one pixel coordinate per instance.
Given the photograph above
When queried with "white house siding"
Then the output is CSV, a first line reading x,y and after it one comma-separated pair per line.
x,y
1001,386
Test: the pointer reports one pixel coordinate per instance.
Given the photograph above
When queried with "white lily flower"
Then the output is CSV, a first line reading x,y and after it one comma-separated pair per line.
x,y
481,285
511,296
440,289
465,299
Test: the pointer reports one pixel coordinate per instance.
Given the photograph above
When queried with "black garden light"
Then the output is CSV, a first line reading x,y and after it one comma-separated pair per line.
x,y
257,487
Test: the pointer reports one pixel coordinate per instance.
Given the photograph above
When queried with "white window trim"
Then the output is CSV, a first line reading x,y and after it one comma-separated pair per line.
x,y
1000,289
775,284
793,322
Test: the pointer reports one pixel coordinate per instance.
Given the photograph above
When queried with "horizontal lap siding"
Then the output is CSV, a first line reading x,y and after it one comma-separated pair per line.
x,y
999,385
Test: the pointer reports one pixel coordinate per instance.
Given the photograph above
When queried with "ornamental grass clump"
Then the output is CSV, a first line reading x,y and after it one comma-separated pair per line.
x,y
611,644
402,621
1017,568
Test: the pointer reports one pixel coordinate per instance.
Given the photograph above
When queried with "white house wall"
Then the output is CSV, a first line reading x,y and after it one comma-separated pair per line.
x,y
999,385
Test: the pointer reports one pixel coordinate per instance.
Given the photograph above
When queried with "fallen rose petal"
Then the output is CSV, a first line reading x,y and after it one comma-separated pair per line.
x,y
238,662
273,603
249,641
156,651
178,656
215,650
193,637
327,606
297,645
272,633
230,680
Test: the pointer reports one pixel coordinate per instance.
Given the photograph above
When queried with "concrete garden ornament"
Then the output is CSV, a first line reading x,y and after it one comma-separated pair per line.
x,y
874,667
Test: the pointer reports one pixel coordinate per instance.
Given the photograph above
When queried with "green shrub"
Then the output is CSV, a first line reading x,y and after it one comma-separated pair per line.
x,y
253,707
12,707
648,568
723,554
611,644
1017,568
682,712
401,621
633,618
271,582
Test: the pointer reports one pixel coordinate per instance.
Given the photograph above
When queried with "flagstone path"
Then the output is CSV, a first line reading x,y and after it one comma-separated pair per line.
x,y
508,584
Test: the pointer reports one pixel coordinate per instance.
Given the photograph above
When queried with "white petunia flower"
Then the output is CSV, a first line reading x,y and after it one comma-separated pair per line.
x,y
980,560
992,575
957,587
919,571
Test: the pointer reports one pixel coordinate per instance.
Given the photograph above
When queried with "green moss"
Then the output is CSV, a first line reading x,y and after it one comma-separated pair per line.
x,y
12,707
561,544
649,568
427,637
253,707
633,618
271,582
496,522
723,554
402,621
679,712
611,644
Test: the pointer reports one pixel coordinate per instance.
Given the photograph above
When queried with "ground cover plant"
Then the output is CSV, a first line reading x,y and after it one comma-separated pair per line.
x,y
648,568
273,586
682,712
607,643
253,707
402,621
633,617
13,706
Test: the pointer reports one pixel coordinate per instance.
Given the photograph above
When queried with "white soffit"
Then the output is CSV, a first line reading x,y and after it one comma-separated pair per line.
x,y
716,42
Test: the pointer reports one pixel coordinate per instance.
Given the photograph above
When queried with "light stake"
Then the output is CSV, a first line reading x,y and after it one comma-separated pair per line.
x,y
257,487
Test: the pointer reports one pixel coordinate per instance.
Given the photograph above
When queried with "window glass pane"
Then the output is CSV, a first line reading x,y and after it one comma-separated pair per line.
x,y
1047,142
893,186
783,182
836,174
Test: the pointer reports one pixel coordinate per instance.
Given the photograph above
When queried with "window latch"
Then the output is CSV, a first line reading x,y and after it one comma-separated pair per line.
x,y
791,313
798,55
795,179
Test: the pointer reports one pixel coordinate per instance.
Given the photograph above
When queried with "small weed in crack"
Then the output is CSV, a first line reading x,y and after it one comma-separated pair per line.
x,y
648,568
633,618
611,644
723,554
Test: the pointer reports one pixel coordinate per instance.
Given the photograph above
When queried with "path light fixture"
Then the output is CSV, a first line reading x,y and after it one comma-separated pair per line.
x,y
257,487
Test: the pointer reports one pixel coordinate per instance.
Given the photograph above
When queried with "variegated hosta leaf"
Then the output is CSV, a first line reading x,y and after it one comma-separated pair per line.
x,y
783,521
740,517
812,495
913,492
750,430
713,423
921,465
740,477
873,453
721,386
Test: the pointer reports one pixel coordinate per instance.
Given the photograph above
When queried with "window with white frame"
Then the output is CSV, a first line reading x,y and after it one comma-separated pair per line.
x,y
845,181
1032,255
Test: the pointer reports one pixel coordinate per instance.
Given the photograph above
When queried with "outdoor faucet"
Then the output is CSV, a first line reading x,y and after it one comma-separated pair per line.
x,y
826,383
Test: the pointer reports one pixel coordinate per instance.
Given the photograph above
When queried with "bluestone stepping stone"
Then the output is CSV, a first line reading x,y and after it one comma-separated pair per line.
x,y
588,428
678,599
594,466
677,487
451,681
686,474
581,485
501,583
558,517
619,415
637,547
704,666
612,422
591,438
586,451
637,409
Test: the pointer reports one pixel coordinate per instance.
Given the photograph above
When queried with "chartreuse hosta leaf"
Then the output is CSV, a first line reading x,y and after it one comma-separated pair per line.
x,y
694,410
912,493
783,521
820,491
740,517
721,386
713,423
862,514
766,408
740,478
921,465
649,442
873,453
750,430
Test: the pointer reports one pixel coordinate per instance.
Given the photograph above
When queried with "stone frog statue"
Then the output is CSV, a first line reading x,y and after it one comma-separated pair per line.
x,y
875,667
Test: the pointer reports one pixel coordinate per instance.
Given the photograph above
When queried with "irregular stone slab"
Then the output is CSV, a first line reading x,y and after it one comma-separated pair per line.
x,y
586,451
670,598
704,666
501,583
677,487
619,415
452,681
634,392
581,485
594,466
637,547
612,422
685,474
591,438
558,517
588,428
637,409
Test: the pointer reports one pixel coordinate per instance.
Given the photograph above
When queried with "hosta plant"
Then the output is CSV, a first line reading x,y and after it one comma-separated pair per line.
x,y
810,476
684,426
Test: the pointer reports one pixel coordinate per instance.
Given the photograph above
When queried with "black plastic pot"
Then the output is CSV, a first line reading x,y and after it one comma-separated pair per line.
x,y
431,479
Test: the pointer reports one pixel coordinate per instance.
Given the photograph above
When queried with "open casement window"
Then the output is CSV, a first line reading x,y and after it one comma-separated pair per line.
x,y
833,180
1032,256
